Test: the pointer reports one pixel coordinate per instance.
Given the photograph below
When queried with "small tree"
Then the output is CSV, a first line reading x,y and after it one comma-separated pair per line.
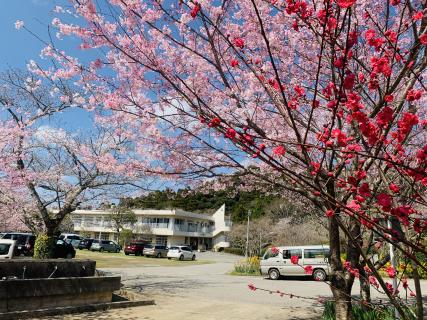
x,y
122,218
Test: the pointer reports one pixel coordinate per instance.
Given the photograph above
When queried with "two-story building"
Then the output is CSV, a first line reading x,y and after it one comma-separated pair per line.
x,y
165,227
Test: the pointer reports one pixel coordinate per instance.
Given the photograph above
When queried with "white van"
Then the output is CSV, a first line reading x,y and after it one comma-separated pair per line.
x,y
7,248
277,262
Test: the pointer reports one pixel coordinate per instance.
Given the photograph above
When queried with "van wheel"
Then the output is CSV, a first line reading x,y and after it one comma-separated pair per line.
x,y
319,275
273,274
159,255
101,250
181,257
194,257
69,256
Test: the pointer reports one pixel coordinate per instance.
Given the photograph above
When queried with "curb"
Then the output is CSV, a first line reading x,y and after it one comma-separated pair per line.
x,y
73,309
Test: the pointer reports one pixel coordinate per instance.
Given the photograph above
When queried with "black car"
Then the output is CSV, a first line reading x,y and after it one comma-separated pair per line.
x,y
85,243
63,249
24,242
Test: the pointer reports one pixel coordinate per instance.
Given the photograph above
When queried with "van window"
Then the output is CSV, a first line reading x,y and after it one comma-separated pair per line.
x,y
314,253
287,254
270,254
4,248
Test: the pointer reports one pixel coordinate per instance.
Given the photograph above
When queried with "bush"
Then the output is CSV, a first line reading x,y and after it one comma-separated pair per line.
x,y
380,313
43,247
237,251
248,266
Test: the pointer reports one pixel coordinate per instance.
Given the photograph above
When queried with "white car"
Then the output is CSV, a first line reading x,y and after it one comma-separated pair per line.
x,y
181,253
7,248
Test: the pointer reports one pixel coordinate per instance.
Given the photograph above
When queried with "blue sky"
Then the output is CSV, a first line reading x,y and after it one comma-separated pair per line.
x,y
18,46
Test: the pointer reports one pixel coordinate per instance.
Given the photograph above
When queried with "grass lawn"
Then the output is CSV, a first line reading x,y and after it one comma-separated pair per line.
x,y
120,260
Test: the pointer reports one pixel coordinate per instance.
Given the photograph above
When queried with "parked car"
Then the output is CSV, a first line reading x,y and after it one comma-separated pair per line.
x,y
85,243
24,242
7,248
63,249
135,247
71,238
277,262
181,253
155,251
105,245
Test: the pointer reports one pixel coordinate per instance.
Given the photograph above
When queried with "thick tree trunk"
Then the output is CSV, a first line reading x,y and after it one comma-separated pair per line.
x,y
339,287
44,246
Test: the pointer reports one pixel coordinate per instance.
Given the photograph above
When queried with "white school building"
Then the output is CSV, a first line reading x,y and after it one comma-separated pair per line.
x,y
166,227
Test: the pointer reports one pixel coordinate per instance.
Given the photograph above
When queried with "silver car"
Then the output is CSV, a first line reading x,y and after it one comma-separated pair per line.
x,y
105,245
277,262
157,251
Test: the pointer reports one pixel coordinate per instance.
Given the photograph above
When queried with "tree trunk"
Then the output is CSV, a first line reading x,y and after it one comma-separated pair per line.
x,y
419,296
339,287
44,245
365,289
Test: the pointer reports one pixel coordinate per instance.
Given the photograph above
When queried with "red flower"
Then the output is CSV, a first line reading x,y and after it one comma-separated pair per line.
x,y
251,287
370,34
345,3
299,90
391,272
389,98
384,200
195,10
239,42
329,213
394,188
294,259
349,81
308,270
414,95
385,117
234,63
231,133
423,39
418,16
215,122
279,150
274,250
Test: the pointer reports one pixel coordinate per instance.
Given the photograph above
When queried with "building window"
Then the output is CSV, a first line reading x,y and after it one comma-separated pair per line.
x,y
105,236
162,240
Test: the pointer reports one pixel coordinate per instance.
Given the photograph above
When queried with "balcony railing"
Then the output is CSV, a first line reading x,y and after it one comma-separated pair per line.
x,y
192,228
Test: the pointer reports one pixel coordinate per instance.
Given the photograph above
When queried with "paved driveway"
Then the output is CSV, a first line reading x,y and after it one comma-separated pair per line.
x,y
208,292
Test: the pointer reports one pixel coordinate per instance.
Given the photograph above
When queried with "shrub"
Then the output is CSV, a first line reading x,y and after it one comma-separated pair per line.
x,y
237,251
43,246
248,266
380,313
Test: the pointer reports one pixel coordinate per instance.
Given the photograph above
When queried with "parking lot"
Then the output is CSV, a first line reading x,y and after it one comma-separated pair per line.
x,y
207,291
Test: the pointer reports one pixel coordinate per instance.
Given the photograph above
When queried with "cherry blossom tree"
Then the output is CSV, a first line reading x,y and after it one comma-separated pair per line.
x,y
46,171
325,99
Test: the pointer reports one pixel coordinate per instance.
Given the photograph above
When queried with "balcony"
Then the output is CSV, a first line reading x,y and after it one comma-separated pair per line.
x,y
155,225
192,229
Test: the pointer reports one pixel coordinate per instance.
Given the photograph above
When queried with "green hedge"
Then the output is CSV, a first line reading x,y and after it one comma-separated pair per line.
x,y
237,251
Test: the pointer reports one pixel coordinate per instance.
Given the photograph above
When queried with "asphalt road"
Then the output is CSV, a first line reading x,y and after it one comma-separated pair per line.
x,y
209,291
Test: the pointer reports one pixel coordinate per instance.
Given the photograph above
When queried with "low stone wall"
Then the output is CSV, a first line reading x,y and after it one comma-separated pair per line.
x,y
55,268
32,294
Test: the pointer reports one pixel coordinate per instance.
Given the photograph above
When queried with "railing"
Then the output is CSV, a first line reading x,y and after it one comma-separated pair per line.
x,y
192,228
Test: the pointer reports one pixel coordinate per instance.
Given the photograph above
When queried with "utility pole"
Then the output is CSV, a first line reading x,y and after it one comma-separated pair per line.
x,y
247,235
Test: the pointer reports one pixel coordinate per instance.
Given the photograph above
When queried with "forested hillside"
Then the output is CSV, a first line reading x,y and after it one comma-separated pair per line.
x,y
237,203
